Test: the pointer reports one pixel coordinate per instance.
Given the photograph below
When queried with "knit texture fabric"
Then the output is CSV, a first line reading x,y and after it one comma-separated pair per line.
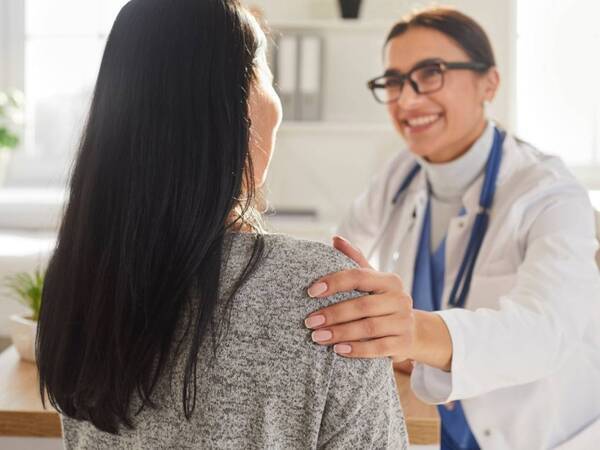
x,y
268,386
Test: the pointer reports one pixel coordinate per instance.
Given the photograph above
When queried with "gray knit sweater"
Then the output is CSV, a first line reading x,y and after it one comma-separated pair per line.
x,y
269,386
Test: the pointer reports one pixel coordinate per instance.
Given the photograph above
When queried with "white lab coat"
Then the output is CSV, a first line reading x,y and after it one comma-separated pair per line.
x,y
526,349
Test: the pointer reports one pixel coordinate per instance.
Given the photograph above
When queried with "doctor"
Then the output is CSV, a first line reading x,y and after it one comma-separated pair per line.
x,y
479,257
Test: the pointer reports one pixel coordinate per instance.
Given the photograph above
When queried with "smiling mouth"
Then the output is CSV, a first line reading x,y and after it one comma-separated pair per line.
x,y
421,122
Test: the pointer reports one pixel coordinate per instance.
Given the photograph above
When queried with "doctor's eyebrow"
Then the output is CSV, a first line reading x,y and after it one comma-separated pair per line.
x,y
422,63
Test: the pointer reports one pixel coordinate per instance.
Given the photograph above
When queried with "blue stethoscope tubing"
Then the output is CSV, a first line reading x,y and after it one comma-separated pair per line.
x,y
462,283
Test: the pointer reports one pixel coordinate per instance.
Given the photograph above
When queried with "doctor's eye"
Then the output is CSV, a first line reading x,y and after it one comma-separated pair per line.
x,y
428,77
386,83
386,88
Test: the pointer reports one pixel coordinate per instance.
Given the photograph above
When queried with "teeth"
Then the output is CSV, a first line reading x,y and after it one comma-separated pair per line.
x,y
423,120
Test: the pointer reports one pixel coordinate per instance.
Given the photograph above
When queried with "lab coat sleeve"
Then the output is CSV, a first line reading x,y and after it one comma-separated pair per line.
x,y
362,220
538,323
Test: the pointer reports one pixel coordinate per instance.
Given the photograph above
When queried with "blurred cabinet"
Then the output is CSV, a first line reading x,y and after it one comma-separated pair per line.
x,y
352,52
323,163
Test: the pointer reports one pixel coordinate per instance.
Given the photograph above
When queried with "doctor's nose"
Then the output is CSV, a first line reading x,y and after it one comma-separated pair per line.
x,y
408,96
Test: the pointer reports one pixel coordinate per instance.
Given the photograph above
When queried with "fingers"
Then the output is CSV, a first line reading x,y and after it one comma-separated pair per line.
x,y
369,328
376,325
376,348
359,308
344,246
404,366
359,279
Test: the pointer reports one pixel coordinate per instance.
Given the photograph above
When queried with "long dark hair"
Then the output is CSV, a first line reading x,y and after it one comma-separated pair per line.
x,y
465,31
162,164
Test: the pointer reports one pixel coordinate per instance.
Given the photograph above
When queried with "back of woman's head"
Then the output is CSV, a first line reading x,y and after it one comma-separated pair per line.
x,y
162,164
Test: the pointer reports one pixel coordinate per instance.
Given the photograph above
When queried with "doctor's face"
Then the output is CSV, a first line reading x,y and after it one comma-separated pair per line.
x,y
442,125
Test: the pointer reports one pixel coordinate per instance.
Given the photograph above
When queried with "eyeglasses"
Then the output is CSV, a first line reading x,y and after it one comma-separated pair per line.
x,y
425,78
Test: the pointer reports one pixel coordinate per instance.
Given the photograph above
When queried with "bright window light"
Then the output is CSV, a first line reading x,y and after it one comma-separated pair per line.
x,y
64,41
558,78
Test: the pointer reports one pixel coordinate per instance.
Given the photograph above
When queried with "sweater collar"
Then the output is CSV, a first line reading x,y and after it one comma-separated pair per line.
x,y
450,181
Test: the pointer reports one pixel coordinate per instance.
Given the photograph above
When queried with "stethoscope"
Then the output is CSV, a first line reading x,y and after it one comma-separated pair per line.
x,y
462,283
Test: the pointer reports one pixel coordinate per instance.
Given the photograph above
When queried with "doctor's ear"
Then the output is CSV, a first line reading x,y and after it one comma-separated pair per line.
x,y
490,83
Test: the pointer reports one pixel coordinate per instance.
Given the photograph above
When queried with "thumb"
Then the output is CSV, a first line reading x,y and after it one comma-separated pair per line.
x,y
350,251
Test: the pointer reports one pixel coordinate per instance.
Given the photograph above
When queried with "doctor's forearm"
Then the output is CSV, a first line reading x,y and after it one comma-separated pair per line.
x,y
433,344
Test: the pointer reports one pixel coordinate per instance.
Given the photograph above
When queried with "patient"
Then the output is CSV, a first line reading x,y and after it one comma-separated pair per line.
x,y
169,319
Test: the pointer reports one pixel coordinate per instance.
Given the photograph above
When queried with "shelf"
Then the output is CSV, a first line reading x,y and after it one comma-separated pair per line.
x,y
334,127
379,26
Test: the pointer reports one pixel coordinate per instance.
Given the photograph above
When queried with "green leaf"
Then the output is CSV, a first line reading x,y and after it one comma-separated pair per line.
x,y
8,139
27,289
12,101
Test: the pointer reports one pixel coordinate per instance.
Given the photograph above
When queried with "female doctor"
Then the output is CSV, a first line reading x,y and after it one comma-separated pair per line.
x,y
479,256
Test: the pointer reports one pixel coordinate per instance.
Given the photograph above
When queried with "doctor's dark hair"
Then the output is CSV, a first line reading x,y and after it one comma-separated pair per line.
x,y
467,33
159,179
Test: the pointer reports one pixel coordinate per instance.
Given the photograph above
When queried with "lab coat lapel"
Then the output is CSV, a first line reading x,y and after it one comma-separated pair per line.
x,y
410,233
457,237
459,229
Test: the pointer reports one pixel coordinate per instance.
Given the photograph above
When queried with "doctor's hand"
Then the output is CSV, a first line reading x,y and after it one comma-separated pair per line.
x,y
379,324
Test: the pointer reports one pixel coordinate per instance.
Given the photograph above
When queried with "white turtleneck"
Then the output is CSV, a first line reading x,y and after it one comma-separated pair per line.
x,y
449,182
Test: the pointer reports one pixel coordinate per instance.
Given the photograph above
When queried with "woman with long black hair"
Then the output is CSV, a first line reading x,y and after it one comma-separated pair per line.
x,y
169,319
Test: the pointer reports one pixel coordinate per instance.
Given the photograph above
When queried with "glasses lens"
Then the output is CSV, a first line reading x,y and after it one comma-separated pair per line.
x,y
387,89
428,78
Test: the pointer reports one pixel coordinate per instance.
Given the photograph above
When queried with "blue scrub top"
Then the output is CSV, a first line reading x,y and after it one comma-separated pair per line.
x,y
428,287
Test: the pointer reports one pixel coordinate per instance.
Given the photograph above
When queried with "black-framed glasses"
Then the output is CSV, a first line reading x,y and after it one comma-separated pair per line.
x,y
425,78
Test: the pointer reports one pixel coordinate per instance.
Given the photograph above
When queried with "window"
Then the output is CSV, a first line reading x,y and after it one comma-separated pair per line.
x,y
558,79
61,61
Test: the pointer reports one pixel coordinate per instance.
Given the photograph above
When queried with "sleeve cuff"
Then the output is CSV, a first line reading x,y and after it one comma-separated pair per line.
x,y
437,386
431,385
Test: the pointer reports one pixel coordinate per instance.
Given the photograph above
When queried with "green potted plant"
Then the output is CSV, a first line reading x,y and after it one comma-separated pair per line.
x,y
11,107
26,288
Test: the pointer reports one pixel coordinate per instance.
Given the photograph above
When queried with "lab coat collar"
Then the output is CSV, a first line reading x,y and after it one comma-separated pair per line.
x,y
471,196
410,223
417,190
449,180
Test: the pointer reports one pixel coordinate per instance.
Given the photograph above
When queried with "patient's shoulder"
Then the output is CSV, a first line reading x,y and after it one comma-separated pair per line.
x,y
288,266
298,263
305,256
283,253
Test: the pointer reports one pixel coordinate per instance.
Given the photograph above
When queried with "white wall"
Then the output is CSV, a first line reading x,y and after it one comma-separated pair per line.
x,y
12,52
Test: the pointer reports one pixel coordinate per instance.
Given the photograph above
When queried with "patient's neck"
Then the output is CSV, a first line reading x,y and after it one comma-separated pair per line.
x,y
236,224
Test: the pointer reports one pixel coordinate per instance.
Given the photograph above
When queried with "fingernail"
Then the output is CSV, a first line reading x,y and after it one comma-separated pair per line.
x,y
342,348
341,238
317,289
314,321
321,335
